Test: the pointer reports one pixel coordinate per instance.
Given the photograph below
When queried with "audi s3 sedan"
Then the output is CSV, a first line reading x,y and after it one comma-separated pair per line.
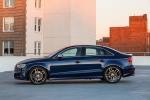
x,y
77,62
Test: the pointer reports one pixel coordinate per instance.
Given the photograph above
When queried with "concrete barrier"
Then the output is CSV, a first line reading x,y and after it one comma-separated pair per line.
x,y
7,63
141,60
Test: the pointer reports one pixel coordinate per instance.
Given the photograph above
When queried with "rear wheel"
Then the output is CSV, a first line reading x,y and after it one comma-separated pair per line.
x,y
38,75
112,74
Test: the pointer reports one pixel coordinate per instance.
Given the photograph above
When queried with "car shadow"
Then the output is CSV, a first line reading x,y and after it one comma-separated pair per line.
x,y
73,82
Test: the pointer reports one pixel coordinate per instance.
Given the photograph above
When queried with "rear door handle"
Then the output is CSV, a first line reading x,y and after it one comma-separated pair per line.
x,y
102,61
77,62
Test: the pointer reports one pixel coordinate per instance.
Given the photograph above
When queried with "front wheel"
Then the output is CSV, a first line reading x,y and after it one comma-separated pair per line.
x,y
38,75
112,74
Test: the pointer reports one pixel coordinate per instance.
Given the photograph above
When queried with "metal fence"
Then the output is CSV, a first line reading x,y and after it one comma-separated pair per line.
x,y
139,53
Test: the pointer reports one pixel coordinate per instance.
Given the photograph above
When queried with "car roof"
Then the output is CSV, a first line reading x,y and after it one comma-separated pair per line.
x,y
85,45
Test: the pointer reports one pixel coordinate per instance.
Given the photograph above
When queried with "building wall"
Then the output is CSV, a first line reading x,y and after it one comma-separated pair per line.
x,y
103,44
83,22
69,22
56,25
18,36
64,23
106,39
31,35
132,38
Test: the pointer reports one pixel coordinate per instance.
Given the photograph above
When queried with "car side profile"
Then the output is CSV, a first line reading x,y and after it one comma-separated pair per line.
x,y
77,62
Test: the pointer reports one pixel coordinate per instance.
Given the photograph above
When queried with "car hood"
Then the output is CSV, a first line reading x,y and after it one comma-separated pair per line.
x,y
33,60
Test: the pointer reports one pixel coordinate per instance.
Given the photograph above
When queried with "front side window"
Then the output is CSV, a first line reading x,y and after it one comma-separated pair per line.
x,y
72,52
8,48
37,48
8,24
38,4
8,3
38,22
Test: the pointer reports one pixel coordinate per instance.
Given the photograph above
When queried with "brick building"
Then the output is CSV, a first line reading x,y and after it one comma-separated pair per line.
x,y
12,36
34,27
132,38
105,41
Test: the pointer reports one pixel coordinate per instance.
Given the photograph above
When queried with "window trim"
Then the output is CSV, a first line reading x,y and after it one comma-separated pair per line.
x,y
37,4
9,24
9,54
36,24
55,57
82,52
9,4
36,48
95,55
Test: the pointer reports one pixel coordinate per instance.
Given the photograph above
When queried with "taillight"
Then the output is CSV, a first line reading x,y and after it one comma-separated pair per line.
x,y
130,59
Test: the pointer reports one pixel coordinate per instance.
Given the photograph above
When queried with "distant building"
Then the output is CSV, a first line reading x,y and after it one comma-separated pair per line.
x,y
104,42
132,38
34,27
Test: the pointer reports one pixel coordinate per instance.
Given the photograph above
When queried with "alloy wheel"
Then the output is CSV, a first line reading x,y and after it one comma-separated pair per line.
x,y
38,75
112,74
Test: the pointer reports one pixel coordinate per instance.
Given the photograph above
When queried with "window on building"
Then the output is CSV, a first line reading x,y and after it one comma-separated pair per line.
x,y
8,3
8,48
8,24
37,49
38,22
38,4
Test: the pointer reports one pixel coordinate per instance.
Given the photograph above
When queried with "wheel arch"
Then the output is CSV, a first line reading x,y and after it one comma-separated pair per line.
x,y
114,66
35,67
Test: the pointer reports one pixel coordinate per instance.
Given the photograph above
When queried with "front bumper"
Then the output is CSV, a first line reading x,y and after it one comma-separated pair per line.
x,y
20,74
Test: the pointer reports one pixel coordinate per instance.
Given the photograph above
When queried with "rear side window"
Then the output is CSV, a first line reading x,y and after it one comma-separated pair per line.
x,y
91,51
94,51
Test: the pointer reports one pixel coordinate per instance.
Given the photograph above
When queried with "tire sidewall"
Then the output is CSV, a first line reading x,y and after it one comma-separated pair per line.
x,y
108,80
32,80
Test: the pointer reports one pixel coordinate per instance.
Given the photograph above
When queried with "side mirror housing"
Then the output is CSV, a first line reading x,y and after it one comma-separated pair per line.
x,y
60,56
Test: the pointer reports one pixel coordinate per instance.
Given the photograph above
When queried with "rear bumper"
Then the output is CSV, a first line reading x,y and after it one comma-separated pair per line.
x,y
129,71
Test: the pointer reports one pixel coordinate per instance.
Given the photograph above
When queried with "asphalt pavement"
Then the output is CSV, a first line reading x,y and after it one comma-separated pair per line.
x,y
132,88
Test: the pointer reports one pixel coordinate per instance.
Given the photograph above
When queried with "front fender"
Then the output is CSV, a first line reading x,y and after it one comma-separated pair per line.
x,y
46,66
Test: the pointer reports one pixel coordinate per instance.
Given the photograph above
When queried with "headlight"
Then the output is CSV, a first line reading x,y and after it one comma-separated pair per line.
x,y
21,66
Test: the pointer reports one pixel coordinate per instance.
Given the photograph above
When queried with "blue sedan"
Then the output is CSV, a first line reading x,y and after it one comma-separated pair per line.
x,y
77,62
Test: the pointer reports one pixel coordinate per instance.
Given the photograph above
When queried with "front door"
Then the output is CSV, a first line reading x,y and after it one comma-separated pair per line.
x,y
67,66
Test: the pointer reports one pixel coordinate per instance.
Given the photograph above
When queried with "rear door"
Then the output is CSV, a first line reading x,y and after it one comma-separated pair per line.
x,y
92,62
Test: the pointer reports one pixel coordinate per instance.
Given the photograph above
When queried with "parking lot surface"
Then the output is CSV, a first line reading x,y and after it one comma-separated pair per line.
x,y
132,88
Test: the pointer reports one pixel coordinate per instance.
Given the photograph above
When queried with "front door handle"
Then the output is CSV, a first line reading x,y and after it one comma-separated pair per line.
x,y
102,61
77,62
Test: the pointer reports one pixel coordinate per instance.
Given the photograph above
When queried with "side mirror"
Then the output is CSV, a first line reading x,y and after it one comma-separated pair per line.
x,y
60,56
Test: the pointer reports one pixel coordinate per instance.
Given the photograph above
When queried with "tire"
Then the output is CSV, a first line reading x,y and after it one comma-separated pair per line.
x,y
112,74
38,75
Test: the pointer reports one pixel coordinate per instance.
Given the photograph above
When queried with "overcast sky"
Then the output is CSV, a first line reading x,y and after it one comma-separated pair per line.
x,y
111,13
